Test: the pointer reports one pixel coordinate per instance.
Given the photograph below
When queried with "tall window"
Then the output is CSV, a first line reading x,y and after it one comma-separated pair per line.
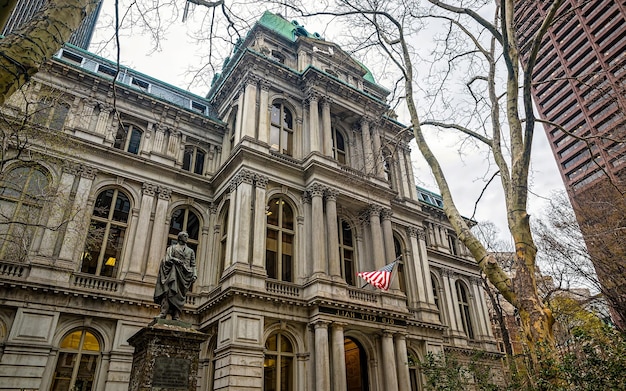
x,y
23,191
128,138
464,308
79,354
435,284
51,114
107,232
223,238
184,219
339,147
279,249
193,159
281,131
414,371
346,251
278,364
231,129
398,250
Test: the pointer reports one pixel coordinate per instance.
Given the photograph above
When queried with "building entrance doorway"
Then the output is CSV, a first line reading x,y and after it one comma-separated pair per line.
x,y
356,366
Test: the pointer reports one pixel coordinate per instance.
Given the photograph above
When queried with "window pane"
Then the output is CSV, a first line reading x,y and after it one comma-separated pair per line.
x,y
287,142
272,212
177,221
193,225
287,217
63,372
287,119
271,343
91,342
285,345
103,204
95,239
269,373
287,266
58,116
113,251
122,208
199,167
37,183
275,138
286,373
120,137
72,341
188,155
135,139
275,114
347,234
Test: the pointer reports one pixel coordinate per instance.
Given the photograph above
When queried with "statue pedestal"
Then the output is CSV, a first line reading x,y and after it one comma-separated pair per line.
x,y
166,356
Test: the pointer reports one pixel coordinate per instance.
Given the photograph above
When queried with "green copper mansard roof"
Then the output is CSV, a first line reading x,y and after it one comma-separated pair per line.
x,y
292,30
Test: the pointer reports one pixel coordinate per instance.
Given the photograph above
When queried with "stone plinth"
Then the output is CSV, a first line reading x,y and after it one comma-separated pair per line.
x,y
166,356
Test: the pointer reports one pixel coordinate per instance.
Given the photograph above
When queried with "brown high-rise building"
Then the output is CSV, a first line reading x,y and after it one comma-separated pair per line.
x,y
25,9
579,83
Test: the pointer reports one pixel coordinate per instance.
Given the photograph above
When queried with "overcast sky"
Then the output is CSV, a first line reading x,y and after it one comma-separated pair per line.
x,y
466,173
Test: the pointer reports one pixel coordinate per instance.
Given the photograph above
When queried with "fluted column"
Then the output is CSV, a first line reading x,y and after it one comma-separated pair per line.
x,y
81,211
243,209
481,311
264,109
260,220
314,129
367,147
407,172
378,152
317,229
451,301
158,242
322,358
389,362
425,266
402,363
378,246
140,243
103,122
404,183
334,266
327,134
249,108
339,357
390,251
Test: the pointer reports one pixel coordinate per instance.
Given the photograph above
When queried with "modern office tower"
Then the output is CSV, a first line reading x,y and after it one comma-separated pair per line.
x,y
25,9
580,84
290,179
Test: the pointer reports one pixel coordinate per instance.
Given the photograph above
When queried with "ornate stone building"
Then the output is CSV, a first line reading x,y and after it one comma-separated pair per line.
x,y
290,178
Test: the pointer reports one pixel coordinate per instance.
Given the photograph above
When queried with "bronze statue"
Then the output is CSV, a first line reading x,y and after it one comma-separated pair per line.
x,y
177,273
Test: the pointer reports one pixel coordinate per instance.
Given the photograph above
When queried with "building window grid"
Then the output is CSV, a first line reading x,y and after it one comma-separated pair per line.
x,y
185,219
339,146
346,252
77,362
128,138
194,159
281,131
279,246
464,309
278,368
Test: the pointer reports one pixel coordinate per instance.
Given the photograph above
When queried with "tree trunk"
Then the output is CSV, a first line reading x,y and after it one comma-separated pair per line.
x,y
24,51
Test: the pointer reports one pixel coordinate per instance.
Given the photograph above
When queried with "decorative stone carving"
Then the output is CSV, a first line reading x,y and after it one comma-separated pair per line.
x,y
316,190
164,193
386,213
261,181
149,189
331,194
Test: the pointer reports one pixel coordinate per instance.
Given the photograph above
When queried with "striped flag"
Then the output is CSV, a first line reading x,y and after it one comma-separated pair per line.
x,y
380,278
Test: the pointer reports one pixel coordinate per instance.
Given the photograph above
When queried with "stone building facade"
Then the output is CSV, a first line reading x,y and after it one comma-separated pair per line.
x,y
290,178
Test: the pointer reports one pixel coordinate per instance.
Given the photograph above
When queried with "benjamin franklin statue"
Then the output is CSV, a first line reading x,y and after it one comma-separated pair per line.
x,y
177,273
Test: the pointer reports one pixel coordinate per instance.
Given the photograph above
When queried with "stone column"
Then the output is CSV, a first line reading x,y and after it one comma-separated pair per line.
x,y
158,241
243,222
81,210
482,315
389,363
406,176
307,231
173,144
334,266
390,251
339,357
260,221
322,358
126,257
264,109
425,266
416,264
407,172
239,121
451,301
314,130
230,234
327,127
402,363
249,108
378,152
140,244
378,246
367,147
317,229
103,121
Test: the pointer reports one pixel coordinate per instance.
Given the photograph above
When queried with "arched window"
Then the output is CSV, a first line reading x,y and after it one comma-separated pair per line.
x,y
414,371
128,138
184,219
399,251
339,147
435,284
223,238
464,308
279,249
278,365
281,131
23,193
193,159
77,363
232,123
107,232
346,252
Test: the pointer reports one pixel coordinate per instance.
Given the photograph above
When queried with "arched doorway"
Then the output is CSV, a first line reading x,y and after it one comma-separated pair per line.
x,y
356,366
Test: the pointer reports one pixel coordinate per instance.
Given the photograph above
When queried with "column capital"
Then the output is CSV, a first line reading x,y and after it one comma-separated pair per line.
x,y
312,95
316,190
320,323
386,213
164,193
331,194
149,189
261,181
306,197
212,208
374,210
412,231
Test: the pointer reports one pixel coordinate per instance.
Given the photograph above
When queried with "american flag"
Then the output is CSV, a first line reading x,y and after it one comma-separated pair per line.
x,y
380,278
